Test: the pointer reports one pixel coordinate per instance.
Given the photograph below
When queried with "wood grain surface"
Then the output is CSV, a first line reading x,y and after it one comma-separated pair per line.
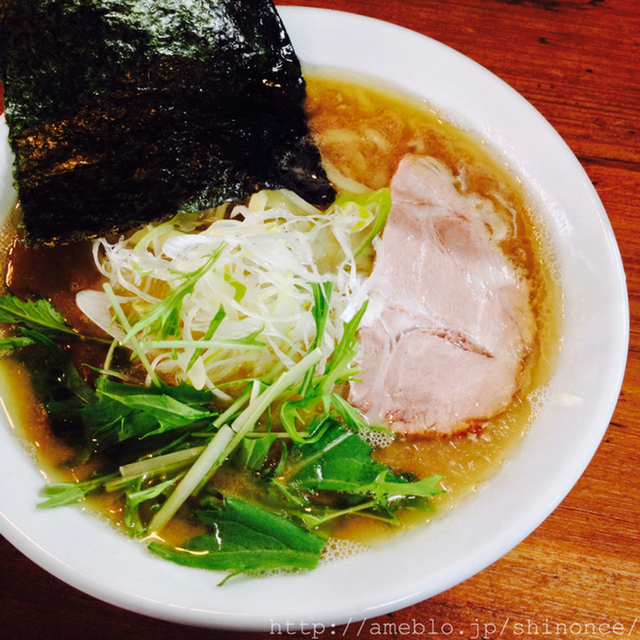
x,y
578,574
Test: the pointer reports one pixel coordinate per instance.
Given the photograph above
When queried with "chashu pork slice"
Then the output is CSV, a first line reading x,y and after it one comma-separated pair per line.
x,y
449,322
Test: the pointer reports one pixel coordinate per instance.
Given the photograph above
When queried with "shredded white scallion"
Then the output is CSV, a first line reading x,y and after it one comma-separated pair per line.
x,y
269,253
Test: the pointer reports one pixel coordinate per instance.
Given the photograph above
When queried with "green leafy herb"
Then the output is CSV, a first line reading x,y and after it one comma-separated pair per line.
x,y
338,367
168,442
213,326
35,314
246,538
163,318
321,298
353,418
135,496
65,493
341,461
69,375
15,343
125,411
256,450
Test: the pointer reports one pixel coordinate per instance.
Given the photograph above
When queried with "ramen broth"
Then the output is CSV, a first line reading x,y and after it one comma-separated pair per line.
x,y
362,131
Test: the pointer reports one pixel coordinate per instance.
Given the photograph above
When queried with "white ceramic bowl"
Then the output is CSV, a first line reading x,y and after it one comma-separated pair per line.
x,y
83,552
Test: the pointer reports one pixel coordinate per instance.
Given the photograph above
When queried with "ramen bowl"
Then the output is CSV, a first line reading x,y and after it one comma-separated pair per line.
x,y
422,562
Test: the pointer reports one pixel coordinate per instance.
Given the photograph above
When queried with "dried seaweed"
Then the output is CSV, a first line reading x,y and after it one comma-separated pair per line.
x,y
126,111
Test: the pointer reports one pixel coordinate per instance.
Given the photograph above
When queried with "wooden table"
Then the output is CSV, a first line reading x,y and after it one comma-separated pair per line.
x,y
578,62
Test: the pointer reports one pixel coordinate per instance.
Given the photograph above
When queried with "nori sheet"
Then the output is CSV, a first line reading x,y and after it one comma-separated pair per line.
x,y
123,112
